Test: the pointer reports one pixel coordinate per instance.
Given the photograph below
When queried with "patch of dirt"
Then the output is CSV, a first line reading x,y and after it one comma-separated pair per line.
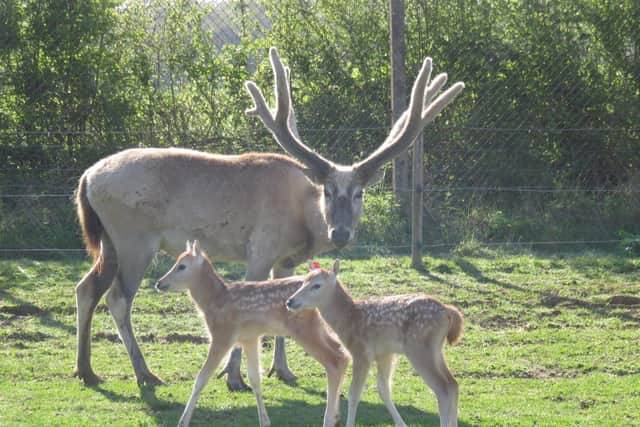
x,y
107,336
624,300
500,322
195,339
541,374
28,336
554,300
536,374
586,404
23,310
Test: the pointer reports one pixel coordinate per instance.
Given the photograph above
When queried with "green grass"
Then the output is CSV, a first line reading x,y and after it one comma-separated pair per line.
x,y
541,347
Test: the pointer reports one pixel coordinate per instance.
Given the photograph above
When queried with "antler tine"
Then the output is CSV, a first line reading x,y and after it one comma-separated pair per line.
x,y
282,122
293,125
421,111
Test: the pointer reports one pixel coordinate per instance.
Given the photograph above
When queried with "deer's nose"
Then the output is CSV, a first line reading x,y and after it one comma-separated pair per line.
x,y
340,236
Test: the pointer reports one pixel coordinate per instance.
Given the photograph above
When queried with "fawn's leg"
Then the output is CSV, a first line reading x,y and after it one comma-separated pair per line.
x,y
361,366
428,363
312,335
217,350
386,363
252,350
258,267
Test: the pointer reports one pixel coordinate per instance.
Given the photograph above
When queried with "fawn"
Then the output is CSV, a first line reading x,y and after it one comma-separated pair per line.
x,y
378,329
242,313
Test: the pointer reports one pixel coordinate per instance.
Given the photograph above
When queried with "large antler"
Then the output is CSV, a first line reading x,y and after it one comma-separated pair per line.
x,y
421,111
282,122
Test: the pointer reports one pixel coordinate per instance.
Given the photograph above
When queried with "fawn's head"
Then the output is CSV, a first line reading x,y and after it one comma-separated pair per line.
x,y
186,271
316,288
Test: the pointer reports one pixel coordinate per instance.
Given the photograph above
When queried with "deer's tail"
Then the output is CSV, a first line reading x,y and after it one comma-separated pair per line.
x,y
456,323
90,224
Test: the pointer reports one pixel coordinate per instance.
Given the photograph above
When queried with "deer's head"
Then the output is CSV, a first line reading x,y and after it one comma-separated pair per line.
x,y
343,186
316,289
187,270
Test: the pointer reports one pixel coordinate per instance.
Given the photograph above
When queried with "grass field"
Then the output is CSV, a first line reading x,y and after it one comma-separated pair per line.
x,y
543,345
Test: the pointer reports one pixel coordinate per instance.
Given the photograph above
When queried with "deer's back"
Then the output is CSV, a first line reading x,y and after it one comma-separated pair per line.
x,y
259,308
389,322
179,194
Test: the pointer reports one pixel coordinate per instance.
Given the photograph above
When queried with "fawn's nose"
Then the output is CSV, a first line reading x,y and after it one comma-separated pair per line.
x,y
291,304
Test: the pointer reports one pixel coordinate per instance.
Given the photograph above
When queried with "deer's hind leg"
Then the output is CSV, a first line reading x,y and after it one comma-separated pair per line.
x,y
310,332
429,361
88,293
132,260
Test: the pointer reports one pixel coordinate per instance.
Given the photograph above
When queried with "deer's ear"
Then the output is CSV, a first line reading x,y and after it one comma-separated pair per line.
x,y
314,176
188,247
367,180
336,267
377,176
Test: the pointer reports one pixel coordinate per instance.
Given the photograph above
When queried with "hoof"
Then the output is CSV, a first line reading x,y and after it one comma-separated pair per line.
x,y
283,374
150,379
237,385
89,378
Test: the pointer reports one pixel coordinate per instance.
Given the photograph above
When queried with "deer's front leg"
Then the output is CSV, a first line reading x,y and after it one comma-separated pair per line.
x,y
359,376
217,350
252,350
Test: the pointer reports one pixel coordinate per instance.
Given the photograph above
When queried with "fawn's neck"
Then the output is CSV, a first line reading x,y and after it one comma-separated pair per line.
x,y
339,313
209,289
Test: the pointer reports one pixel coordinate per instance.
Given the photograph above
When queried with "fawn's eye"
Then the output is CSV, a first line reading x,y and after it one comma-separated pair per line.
x,y
181,267
315,287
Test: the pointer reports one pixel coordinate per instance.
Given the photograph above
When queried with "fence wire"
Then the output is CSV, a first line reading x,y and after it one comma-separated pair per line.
x,y
542,149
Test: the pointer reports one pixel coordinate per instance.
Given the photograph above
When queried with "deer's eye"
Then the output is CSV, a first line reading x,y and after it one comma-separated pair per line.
x,y
315,287
181,267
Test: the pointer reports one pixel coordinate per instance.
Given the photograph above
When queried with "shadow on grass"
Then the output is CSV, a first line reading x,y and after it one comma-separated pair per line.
x,y
287,412
23,308
548,299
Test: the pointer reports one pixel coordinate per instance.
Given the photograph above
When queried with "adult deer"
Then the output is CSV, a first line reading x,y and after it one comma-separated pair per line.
x,y
266,209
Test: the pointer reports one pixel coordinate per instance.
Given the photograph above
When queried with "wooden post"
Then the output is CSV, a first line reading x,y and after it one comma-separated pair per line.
x,y
398,97
417,201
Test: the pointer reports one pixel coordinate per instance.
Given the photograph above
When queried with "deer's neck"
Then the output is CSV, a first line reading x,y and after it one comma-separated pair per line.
x,y
339,312
210,290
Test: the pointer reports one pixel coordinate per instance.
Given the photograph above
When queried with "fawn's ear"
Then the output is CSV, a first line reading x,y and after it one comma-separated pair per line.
x,y
188,247
336,267
195,248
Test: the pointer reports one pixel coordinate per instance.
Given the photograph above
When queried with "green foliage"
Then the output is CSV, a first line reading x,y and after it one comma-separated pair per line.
x,y
552,100
383,223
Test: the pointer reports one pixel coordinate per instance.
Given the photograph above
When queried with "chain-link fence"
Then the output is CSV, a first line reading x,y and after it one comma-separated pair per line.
x,y
542,148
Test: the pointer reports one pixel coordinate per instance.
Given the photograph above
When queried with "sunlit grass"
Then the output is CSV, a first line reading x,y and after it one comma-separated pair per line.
x,y
542,346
